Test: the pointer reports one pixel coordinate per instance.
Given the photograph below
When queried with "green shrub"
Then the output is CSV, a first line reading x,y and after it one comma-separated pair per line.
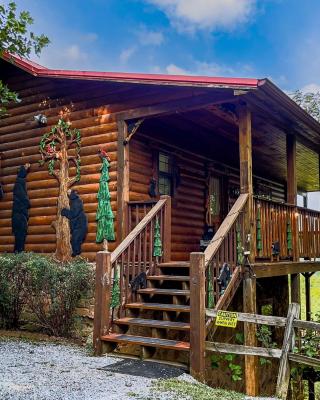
x,y
49,289
12,289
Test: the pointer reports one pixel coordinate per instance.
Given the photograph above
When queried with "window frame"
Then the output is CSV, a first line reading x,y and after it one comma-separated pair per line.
x,y
163,174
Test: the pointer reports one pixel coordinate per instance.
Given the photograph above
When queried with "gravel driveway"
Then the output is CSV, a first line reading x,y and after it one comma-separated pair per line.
x,y
49,371
46,371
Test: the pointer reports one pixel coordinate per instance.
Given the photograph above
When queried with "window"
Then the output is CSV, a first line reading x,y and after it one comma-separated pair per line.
x,y
165,174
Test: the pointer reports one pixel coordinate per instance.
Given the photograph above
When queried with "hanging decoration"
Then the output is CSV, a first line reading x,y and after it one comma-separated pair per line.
x,y
115,294
104,216
258,231
20,207
239,246
59,147
157,247
210,298
289,237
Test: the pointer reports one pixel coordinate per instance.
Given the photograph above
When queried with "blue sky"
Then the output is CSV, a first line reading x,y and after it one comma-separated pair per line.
x,y
278,39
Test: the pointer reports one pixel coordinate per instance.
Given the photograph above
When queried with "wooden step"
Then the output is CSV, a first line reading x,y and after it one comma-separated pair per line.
x,y
172,292
168,278
159,306
153,323
147,341
174,264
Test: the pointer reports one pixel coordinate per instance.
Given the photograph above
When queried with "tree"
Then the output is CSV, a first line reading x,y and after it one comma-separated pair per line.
x,y
105,228
308,101
55,149
15,38
157,246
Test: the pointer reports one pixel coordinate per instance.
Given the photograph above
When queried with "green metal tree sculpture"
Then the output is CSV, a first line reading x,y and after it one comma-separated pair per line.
x,y
104,216
157,246
210,297
115,294
60,147
259,239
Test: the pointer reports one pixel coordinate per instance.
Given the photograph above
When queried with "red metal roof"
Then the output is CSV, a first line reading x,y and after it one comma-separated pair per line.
x,y
38,70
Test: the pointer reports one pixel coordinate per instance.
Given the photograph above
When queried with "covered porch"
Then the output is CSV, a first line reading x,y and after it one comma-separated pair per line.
x,y
232,160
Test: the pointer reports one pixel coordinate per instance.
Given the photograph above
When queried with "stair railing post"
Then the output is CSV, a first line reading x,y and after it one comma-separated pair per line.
x,y
167,230
103,287
197,316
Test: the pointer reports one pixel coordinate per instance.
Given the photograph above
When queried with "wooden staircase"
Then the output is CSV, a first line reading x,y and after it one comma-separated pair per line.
x,y
154,323
157,319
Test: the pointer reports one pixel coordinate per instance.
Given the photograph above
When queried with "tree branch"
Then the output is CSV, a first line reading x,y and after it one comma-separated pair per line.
x,y
72,181
57,174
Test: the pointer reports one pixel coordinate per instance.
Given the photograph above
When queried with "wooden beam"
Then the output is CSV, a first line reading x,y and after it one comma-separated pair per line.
x,y
249,282
291,169
292,191
243,350
245,149
122,182
300,359
250,337
253,318
175,106
267,270
167,230
284,369
295,288
102,300
197,316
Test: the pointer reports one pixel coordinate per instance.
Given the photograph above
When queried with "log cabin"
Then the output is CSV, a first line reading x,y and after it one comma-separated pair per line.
x,y
215,164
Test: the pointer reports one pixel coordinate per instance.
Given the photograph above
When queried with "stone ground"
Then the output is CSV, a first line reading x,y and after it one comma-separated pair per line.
x,y
49,371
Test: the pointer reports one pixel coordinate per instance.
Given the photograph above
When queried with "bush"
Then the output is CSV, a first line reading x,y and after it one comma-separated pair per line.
x,y
51,290
12,289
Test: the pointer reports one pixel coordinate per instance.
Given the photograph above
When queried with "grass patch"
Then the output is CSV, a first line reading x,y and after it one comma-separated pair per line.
x,y
179,389
314,294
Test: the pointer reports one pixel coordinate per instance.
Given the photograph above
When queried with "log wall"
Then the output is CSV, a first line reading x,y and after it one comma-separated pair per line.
x,y
93,107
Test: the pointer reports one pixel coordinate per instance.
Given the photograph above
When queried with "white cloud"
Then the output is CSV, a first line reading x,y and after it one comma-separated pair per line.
x,y
173,69
149,38
74,53
126,54
204,68
190,15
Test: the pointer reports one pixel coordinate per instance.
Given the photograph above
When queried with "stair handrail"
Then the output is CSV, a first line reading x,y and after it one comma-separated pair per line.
x,y
139,228
225,228
108,264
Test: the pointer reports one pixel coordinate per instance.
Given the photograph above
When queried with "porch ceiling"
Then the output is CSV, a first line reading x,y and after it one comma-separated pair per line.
x,y
213,133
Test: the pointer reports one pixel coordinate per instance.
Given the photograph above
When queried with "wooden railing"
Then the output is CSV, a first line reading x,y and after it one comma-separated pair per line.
x,y
133,256
286,355
225,247
137,210
295,229
309,233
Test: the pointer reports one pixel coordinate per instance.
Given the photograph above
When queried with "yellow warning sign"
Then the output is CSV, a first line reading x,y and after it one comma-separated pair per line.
x,y
227,318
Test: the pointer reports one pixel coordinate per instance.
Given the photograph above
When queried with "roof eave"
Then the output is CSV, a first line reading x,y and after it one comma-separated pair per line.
x,y
158,79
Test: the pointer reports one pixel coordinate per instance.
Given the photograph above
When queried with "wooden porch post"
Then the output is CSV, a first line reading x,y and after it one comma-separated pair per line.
x,y
102,300
292,199
122,182
197,316
249,282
